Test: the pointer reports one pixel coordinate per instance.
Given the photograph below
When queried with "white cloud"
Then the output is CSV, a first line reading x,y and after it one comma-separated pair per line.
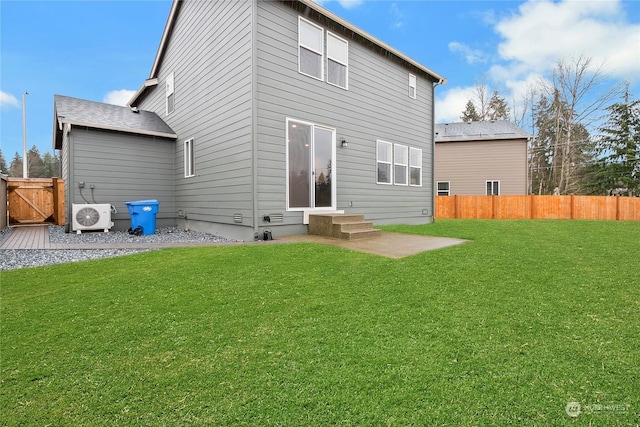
x,y
537,36
450,105
119,97
396,15
8,101
347,4
471,55
350,4
543,32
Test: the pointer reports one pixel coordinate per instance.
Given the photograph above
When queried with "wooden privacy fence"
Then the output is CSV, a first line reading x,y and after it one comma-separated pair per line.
x,y
538,207
36,201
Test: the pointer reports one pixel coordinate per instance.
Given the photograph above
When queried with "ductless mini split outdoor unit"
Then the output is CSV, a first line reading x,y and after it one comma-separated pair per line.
x,y
91,217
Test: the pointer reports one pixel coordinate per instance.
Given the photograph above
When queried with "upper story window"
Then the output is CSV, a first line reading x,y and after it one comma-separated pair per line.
x,y
337,60
169,94
413,89
310,49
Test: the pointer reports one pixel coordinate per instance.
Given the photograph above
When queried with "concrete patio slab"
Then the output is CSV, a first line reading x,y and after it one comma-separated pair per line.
x,y
390,245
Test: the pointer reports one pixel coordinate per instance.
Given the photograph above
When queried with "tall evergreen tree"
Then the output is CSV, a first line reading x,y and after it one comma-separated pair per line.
x,y
497,108
15,168
36,165
558,143
51,165
619,146
4,168
470,114
479,108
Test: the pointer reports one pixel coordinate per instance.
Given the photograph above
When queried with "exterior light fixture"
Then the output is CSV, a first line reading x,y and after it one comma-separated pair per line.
x,y
345,144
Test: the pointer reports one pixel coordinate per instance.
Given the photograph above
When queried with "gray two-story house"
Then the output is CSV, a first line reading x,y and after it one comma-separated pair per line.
x,y
275,110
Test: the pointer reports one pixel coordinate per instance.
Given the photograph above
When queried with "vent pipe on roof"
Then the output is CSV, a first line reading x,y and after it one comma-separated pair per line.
x,y
135,110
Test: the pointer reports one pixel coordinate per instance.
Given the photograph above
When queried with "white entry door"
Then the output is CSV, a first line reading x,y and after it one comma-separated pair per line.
x,y
310,166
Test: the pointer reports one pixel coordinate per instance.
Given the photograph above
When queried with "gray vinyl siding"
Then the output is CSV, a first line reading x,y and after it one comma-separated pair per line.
x,y
469,165
3,200
376,106
209,53
123,168
65,161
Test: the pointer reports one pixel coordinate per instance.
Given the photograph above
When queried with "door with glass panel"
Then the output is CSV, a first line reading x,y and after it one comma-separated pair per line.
x,y
310,166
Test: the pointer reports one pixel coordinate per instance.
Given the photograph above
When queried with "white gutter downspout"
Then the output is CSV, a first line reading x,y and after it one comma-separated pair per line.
x,y
254,116
442,81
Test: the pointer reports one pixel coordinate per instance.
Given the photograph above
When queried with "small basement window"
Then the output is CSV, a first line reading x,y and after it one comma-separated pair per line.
x,y
493,188
444,188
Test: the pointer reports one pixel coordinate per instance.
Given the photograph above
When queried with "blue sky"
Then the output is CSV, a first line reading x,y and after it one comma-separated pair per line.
x,y
103,50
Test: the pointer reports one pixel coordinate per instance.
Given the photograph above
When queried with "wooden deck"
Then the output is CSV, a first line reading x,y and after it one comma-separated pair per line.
x,y
27,237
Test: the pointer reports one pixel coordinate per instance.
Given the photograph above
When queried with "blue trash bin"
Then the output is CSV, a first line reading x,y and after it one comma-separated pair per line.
x,y
143,216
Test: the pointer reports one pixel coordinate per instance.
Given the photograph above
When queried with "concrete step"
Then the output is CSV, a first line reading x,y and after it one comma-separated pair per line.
x,y
355,226
360,234
342,226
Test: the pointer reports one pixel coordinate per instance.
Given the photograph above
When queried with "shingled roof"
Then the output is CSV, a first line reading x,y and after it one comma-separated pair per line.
x,y
479,131
97,115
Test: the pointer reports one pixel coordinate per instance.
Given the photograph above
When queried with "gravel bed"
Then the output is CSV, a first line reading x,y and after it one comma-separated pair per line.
x,y
14,259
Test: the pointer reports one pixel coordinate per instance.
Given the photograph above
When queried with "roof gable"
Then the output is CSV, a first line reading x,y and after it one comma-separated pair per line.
x,y
80,112
388,50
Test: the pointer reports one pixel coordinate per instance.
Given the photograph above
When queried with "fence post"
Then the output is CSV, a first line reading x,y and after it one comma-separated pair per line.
x,y
493,206
571,207
58,201
531,207
455,206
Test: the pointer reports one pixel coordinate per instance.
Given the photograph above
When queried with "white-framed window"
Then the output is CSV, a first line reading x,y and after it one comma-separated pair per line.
x,y
189,158
170,94
493,188
444,188
400,164
415,167
337,61
310,49
384,159
413,86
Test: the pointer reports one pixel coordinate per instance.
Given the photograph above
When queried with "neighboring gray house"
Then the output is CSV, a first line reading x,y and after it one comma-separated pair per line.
x,y
481,158
280,109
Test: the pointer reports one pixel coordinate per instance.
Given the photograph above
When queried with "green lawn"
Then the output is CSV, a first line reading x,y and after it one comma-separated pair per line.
x,y
504,330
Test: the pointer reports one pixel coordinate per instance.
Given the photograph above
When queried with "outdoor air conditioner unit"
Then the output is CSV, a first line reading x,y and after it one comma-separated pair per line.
x,y
91,217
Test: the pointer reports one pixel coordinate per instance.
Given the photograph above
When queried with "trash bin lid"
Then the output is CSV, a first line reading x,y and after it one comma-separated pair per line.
x,y
142,202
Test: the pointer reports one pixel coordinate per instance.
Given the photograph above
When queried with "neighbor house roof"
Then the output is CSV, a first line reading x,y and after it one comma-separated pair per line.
x,y
478,131
173,13
80,112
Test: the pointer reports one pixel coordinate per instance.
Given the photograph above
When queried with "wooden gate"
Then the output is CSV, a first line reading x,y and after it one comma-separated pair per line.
x,y
36,201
